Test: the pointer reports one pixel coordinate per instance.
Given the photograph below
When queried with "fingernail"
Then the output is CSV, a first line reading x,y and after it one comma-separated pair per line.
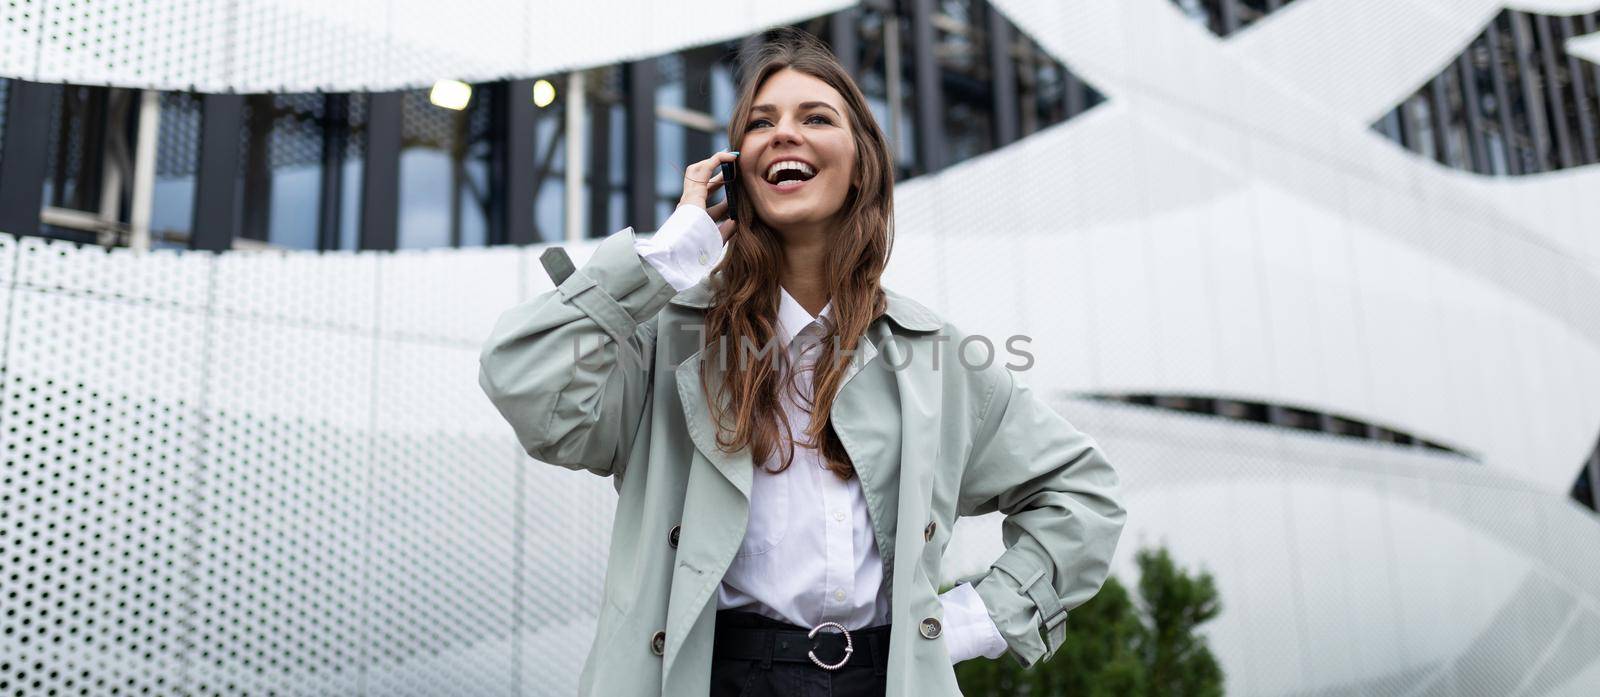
x,y
735,153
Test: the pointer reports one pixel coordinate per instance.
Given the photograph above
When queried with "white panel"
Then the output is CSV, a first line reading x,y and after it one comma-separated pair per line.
x,y
447,294
170,43
101,443
365,45
268,369
566,534
285,516
1181,293
1123,326
20,23
1585,47
1241,323
329,289
1361,57
1058,320
1288,299
166,277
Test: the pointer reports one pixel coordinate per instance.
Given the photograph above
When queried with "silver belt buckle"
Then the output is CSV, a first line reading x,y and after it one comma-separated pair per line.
x,y
849,646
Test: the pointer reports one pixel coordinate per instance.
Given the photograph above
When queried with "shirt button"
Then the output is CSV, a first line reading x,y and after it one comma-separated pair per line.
x,y
927,533
704,257
658,643
838,595
931,628
838,515
672,537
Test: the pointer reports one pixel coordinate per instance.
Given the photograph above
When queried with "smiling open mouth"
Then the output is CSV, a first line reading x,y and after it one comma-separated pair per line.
x,y
789,175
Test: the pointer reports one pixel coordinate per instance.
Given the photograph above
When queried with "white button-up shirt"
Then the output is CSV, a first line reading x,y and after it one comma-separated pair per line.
x,y
809,555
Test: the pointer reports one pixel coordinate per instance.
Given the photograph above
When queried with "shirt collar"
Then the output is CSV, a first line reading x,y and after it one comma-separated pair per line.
x,y
907,313
793,317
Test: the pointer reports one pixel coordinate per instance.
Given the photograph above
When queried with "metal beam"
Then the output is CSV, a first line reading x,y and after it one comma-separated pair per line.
x,y
1590,23
639,80
1408,126
23,155
599,173
575,158
1230,16
1588,130
380,180
1002,77
520,153
929,90
1502,101
261,113
217,177
1439,111
893,79
1594,477
1552,84
335,132
844,35
1532,101
1471,102
697,99
142,201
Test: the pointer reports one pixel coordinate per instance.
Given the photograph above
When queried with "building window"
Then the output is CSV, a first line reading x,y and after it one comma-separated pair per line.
x,y
960,48
177,157
280,186
445,187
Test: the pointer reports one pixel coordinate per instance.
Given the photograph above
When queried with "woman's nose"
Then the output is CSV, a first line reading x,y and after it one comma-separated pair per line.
x,y
786,130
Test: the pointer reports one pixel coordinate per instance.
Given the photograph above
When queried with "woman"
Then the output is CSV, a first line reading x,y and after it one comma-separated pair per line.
x,y
778,425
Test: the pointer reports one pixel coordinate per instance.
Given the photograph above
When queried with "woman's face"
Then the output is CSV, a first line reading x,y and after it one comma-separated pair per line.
x,y
797,117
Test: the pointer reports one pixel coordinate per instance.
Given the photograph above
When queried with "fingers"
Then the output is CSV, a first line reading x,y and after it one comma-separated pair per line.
x,y
718,211
726,228
712,165
703,177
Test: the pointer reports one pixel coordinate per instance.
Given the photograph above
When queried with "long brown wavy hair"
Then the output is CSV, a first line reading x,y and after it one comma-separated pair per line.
x,y
745,292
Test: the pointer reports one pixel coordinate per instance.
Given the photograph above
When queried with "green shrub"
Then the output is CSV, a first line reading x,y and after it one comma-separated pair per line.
x,y
1118,646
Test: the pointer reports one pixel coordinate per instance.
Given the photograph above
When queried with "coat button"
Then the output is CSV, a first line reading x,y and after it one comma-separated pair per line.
x,y
927,532
931,628
672,537
658,643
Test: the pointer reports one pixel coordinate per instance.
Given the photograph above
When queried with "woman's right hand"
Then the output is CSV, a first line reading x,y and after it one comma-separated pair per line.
x,y
695,193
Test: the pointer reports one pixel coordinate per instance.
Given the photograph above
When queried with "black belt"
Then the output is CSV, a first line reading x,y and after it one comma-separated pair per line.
x,y
748,636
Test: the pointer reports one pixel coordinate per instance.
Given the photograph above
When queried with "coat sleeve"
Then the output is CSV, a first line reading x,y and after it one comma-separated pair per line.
x,y
1063,516
570,368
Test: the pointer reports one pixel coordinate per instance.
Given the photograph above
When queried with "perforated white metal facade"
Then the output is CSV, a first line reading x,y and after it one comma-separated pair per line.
x,y
355,45
265,472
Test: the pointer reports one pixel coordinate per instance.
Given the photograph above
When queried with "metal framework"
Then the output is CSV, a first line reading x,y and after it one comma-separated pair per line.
x,y
1539,113
971,54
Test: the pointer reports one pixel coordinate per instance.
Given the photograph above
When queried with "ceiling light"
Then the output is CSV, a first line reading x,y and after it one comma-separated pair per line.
x,y
451,94
543,93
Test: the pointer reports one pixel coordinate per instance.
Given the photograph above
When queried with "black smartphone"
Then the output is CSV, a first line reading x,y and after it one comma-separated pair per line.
x,y
730,186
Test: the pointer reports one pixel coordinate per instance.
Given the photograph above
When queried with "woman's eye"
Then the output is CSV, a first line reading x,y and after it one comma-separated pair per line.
x,y
757,122
818,116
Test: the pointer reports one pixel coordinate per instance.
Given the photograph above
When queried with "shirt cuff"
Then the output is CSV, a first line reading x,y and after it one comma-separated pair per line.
x,y
969,632
685,248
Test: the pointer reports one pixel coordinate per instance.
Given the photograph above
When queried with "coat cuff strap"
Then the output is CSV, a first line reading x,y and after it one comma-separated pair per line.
x,y
1052,616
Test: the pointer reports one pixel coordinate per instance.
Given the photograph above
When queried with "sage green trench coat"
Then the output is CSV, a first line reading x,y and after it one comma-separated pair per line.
x,y
599,374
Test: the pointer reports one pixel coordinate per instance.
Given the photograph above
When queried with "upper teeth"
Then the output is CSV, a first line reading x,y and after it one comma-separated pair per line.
x,y
789,164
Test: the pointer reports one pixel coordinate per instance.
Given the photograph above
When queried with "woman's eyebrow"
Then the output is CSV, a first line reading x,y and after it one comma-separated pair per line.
x,y
803,105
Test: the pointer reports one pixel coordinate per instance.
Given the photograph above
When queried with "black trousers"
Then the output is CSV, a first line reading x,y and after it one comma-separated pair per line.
x,y
735,672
